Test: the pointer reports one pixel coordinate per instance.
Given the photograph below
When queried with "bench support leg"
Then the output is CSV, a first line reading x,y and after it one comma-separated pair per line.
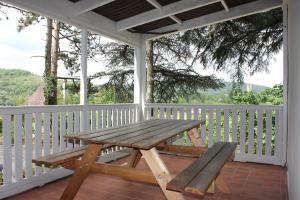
x,y
211,189
81,172
134,158
196,138
222,185
161,173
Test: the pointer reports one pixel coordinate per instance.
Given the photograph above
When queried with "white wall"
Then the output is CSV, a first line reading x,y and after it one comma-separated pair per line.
x,y
294,100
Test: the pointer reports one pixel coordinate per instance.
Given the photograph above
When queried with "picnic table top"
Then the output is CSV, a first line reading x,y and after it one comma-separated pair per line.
x,y
142,135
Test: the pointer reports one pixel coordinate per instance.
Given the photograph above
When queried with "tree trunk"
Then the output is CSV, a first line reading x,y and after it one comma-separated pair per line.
x,y
47,59
54,62
150,80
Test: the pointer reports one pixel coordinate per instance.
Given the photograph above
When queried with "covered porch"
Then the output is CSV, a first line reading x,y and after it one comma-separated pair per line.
x,y
246,181
265,134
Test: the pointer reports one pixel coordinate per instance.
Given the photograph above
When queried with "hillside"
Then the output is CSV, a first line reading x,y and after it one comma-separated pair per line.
x,y
245,87
220,96
16,85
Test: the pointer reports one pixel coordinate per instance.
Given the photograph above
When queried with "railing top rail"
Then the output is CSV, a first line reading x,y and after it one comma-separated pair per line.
x,y
57,108
217,106
96,106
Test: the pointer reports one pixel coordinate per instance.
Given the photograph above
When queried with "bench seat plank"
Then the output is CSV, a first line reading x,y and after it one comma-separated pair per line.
x,y
184,178
197,177
60,157
203,180
65,156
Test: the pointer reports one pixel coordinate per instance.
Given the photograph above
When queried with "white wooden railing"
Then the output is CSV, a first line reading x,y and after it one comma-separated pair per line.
x,y
258,130
30,132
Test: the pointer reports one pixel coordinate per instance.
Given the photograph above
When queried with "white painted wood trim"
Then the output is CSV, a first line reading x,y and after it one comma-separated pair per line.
x,y
158,6
165,11
18,147
259,138
46,134
28,145
225,5
62,10
285,84
63,130
54,132
83,80
140,78
83,6
155,4
226,125
7,149
268,138
38,141
217,106
176,19
221,16
251,132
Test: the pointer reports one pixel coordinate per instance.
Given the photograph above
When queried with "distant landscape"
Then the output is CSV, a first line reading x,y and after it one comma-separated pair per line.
x,y
17,85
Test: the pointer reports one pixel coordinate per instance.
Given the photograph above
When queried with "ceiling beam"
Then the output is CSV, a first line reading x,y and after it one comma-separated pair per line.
x,y
165,11
83,6
158,6
62,11
225,5
221,16
155,4
176,19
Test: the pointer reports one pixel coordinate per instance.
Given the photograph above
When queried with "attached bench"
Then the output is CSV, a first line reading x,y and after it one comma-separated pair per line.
x,y
199,176
60,158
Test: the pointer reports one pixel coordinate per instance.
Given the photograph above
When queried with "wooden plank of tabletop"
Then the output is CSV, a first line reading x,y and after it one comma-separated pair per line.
x,y
104,130
141,133
149,134
118,130
128,130
163,136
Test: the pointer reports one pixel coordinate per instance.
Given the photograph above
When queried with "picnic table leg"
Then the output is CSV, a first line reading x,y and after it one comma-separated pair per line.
x,y
161,173
134,158
81,171
195,138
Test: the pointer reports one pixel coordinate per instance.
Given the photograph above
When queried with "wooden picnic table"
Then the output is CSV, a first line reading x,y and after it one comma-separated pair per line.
x,y
143,138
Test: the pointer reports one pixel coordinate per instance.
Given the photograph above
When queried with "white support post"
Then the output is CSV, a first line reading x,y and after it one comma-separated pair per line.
x,y
285,83
84,81
140,78
293,158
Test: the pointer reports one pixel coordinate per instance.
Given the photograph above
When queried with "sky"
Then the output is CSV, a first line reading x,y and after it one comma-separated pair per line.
x,y
24,50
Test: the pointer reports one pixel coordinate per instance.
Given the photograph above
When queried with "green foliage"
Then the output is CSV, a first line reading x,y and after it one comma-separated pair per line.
x,y
238,46
171,79
51,89
217,96
29,19
16,85
100,95
109,95
273,96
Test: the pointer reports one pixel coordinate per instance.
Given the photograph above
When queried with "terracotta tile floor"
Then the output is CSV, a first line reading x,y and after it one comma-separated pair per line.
x,y
247,181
